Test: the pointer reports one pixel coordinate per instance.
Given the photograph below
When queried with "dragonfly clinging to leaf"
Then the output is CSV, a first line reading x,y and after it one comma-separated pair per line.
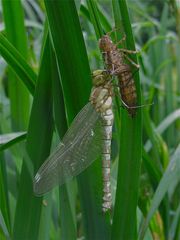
x,y
88,137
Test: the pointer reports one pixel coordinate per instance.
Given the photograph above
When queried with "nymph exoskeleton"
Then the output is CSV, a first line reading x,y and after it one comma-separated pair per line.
x,y
114,59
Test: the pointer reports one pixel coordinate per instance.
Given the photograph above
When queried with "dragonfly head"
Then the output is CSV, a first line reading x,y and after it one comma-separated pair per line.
x,y
100,77
105,43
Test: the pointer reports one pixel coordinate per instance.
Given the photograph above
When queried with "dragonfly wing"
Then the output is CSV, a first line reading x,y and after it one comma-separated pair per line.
x,y
81,145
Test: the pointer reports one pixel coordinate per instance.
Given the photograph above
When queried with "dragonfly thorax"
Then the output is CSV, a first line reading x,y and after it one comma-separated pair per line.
x,y
101,97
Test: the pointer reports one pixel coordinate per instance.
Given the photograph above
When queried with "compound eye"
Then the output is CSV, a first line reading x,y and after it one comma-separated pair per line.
x,y
105,72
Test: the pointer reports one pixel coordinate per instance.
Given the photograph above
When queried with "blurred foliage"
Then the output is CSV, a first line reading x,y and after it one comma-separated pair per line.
x,y
156,30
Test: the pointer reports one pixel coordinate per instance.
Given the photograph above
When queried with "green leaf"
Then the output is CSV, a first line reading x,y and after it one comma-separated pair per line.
x,y
124,220
164,125
76,84
16,34
17,63
93,11
175,223
4,234
26,226
5,221
7,140
67,212
170,176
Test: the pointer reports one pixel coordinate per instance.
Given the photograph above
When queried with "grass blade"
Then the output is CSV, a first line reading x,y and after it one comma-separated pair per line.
x,y
124,221
174,226
170,176
38,147
93,11
17,63
164,125
75,78
4,234
67,212
10,139
5,219
19,96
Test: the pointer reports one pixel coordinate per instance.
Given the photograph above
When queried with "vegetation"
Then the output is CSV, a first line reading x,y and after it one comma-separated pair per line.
x,y
48,50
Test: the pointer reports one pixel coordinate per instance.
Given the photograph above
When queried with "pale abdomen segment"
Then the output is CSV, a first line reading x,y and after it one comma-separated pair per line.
x,y
106,159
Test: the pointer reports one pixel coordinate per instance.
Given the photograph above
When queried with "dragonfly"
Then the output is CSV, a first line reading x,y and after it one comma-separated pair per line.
x,y
88,138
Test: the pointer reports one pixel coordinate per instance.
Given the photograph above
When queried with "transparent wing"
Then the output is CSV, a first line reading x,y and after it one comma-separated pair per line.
x,y
81,145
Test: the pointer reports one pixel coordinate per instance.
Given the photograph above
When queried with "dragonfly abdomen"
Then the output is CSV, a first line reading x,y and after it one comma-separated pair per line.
x,y
101,99
106,159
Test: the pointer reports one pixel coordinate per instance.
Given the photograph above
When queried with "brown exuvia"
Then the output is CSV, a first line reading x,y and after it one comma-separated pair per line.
x,y
114,60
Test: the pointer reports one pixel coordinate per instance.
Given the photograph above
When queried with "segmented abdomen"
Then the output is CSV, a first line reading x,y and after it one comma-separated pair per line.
x,y
116,66
128,90
101,98
107,117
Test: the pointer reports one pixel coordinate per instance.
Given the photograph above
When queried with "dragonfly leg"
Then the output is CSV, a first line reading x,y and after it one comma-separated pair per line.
x,y
124,50
137,106
132,62
121,41
115,29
